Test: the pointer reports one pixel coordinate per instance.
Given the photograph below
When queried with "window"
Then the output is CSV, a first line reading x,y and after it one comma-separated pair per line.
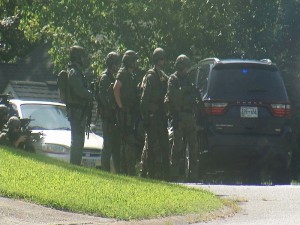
x,y
46,117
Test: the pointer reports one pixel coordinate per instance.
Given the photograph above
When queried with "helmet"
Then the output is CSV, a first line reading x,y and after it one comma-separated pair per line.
x,y
3,110
112,59
13,122
76,52
158,54
182,62
129,58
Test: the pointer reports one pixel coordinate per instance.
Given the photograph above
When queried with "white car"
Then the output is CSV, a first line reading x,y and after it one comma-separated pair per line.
x,y
50,119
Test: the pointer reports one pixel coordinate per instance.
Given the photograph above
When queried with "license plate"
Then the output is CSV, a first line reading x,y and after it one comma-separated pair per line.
x,y
249,112
90,162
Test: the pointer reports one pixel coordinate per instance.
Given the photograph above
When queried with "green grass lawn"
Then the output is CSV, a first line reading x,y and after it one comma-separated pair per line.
x,y
63,186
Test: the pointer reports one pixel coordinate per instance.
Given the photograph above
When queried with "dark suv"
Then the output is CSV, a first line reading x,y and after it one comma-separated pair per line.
x,y
247,124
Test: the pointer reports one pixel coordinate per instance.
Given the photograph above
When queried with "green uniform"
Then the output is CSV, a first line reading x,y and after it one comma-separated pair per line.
x,y
181,99
77,111
8,138
127,121
111,133
156,151
139,130
2,126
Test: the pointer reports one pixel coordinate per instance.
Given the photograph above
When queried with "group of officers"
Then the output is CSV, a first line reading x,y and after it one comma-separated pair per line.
x,y
135,110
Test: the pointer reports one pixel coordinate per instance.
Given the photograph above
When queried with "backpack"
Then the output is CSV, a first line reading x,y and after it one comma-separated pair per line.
x,y
109,95
62,83
142,83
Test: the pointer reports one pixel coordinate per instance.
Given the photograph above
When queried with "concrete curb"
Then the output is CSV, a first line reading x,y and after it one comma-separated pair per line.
x,y
19,212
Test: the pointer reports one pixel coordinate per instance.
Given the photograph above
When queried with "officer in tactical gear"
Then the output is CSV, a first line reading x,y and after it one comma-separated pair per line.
x,y
108,112
4,114
155,157
139,130
12,135
181,100
77,102
125,92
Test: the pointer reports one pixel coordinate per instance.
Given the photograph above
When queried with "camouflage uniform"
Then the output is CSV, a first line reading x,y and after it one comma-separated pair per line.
x,y
181,101
156,151
12,136
127,116
140,129
111,132
77,104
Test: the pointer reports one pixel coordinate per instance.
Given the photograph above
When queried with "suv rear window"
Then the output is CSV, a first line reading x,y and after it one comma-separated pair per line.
x,y
246,82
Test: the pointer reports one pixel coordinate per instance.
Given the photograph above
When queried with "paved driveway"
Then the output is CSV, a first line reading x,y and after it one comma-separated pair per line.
x,y
260,205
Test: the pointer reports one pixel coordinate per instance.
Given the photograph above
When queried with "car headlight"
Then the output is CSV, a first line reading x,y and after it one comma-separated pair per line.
x,y
54,148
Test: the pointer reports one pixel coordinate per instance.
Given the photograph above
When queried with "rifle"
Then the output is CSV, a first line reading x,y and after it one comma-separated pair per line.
x,y
90,111
31,137
25,130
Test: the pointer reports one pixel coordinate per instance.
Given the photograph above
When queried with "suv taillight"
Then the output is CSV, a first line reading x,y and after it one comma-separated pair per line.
x,y
215,108
281,110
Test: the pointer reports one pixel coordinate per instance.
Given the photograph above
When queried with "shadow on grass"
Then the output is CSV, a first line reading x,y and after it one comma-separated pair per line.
x,y
215,179
79,169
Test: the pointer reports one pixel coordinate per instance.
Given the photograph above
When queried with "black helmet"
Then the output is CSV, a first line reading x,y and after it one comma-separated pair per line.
x,y
3,110
112,59
182,62
158,54
76,52
129,58
13,122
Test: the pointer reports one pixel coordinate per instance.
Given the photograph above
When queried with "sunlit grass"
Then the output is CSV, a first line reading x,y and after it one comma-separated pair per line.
x,y
63,186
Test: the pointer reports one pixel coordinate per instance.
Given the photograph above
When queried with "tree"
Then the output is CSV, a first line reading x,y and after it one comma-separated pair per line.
x,y
200,29
13,43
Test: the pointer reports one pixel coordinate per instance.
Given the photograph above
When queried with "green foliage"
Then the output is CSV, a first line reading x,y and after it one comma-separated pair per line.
x,y
13,43
200,29
63,186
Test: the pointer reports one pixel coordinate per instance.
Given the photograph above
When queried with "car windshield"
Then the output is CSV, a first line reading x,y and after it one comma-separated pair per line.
x,y
245,82
46,117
